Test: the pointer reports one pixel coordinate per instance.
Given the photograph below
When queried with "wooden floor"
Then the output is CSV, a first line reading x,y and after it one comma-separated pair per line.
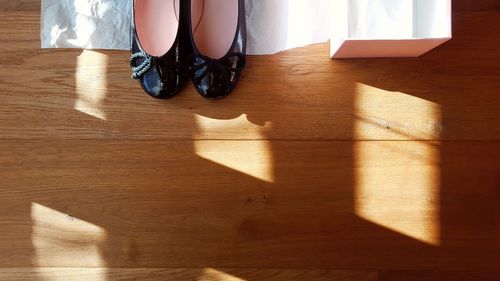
x,y
353,170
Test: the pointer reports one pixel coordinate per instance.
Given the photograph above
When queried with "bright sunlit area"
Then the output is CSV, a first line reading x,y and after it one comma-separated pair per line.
x,y
397,182
91,83
250,140
58,236
253,158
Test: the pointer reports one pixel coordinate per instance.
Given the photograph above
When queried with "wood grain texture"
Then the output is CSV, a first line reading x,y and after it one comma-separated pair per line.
x,y
183,274
386,168
20,6
439,276
299,94
159,204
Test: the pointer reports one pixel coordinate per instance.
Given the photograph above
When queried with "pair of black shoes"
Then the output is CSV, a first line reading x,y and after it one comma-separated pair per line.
x,y
194,46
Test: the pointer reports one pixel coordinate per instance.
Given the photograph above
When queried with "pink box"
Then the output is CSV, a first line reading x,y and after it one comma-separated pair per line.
x,y
389,28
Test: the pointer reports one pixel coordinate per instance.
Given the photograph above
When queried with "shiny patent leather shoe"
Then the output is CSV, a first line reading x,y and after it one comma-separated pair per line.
x,y
158,46
217,31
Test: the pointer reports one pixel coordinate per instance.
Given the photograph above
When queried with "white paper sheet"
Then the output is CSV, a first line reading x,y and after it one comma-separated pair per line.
x,y
272,25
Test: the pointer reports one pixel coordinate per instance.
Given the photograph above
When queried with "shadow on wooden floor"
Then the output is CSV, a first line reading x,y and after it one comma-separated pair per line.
x,y
169,199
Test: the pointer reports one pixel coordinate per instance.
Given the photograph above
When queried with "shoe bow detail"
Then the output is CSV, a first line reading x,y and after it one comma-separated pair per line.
x,y
140,68
221,69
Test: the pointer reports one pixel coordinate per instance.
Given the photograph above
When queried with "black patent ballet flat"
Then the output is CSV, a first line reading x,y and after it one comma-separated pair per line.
x,y
159,47
217,31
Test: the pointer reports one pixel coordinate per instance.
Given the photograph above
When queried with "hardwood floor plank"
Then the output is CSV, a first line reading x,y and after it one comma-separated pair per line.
x,y
389,165
20,5
471,5
439,276
183,274
448,94
322,204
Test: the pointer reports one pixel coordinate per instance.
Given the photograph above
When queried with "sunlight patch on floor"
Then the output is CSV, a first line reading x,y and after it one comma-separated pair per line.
x,y
91,83
253,158
237,128
210,274
397,183
382,114
59,238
